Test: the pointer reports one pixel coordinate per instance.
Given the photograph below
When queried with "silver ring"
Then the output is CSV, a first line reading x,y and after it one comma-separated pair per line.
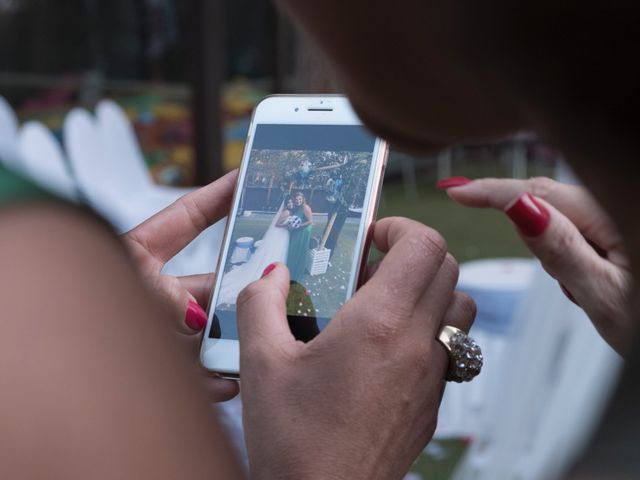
x,y
465,355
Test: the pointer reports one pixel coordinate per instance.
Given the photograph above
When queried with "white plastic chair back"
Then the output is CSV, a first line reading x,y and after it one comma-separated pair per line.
x,y
93,173
44,160
121,147
498,286
9,154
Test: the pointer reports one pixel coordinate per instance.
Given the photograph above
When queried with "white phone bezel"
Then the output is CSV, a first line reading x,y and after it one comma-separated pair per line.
x,y
223,355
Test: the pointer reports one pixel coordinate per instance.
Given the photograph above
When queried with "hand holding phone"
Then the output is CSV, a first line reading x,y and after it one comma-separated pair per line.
x,y
307,193
360,400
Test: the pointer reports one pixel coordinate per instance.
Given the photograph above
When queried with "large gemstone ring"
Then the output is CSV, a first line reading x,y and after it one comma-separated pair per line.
x,y
465,356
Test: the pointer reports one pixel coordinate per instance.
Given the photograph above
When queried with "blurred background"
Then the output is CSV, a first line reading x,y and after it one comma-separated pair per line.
x,y
188,75
185,76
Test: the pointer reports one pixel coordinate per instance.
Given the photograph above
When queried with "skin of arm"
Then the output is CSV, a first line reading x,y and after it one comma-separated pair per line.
x,y
95,384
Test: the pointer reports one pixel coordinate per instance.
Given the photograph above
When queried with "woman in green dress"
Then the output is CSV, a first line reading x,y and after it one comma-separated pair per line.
x,y
299,238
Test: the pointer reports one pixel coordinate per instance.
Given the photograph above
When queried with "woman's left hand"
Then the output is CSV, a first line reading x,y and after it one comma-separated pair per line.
x,y
154,242
573,237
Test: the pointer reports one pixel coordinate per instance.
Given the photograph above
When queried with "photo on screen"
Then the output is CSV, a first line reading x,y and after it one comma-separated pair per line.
x,y
302,208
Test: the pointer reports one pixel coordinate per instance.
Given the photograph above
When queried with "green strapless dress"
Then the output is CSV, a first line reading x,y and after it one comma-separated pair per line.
x,y
298,246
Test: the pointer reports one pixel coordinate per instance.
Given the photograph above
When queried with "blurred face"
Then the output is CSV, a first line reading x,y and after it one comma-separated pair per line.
x,y
428,87
299,200
289,204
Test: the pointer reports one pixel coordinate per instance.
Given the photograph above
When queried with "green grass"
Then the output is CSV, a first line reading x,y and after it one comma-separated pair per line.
x,y
470,233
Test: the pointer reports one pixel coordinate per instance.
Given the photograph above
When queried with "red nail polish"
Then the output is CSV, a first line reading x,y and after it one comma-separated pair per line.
x,y
268,270
196,317
568,294
452,182
530,216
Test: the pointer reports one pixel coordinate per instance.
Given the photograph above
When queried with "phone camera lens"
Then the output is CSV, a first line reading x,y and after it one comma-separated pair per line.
x,y
296,109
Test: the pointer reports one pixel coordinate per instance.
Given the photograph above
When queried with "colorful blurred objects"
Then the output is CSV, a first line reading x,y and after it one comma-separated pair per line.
x,y
163,123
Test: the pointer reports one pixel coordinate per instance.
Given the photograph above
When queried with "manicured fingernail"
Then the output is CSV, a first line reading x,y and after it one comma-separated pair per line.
x,y
268,270
529,215
568,294
452,182
196,317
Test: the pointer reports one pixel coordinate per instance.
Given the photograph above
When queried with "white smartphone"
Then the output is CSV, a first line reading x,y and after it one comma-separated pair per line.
x,y
306,196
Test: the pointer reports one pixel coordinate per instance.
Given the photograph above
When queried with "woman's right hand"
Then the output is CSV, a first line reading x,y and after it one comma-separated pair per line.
x,y
572,236
360,400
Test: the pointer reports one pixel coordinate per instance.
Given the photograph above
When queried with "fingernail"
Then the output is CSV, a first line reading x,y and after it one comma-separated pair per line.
x,y
452,182
268,270
568,294
196,317
528,214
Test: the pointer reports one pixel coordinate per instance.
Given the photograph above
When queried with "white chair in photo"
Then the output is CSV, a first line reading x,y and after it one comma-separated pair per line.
x,y
44,160
9,153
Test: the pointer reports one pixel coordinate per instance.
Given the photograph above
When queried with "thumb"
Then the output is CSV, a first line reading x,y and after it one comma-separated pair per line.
x,y
262,313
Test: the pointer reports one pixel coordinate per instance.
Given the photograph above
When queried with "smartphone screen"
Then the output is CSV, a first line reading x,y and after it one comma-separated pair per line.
x,y
301,203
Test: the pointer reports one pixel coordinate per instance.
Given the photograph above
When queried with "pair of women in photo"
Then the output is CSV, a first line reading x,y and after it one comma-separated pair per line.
x,y
296,217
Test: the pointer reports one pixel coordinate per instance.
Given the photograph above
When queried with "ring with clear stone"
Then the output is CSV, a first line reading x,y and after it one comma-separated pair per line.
x,y
465,355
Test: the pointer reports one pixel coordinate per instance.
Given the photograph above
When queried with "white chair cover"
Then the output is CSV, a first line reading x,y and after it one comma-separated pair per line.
x,y
9,154
94,176
44,160
123,152
101,154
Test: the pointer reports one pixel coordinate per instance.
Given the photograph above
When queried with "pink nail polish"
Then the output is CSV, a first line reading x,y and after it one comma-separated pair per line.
x,y
451,182
270,268
195,317
530,216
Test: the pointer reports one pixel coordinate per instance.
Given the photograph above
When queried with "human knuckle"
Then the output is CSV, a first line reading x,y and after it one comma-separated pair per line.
x,y
557,253
428,242
248,295
420,357
195,214
468,308
450,267
541,186
385,329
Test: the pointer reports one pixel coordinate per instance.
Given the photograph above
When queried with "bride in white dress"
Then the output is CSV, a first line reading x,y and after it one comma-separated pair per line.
x,y
273,248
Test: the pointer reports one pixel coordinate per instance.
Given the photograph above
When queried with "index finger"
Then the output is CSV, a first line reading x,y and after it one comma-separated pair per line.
x,y
414,254
573,201
170,230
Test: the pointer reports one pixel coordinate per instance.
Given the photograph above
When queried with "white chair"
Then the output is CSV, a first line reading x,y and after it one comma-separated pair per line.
x,y
9,154
44,160
93,173
497,285
98,171
129,172
123,153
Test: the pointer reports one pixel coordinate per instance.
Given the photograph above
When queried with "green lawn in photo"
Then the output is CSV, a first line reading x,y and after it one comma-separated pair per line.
x,y
327,292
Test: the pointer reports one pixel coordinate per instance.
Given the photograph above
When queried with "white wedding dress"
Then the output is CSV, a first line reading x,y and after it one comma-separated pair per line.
x,y
273,248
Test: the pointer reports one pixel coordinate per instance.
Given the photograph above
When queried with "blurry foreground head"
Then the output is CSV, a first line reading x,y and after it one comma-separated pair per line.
x,y
426,74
